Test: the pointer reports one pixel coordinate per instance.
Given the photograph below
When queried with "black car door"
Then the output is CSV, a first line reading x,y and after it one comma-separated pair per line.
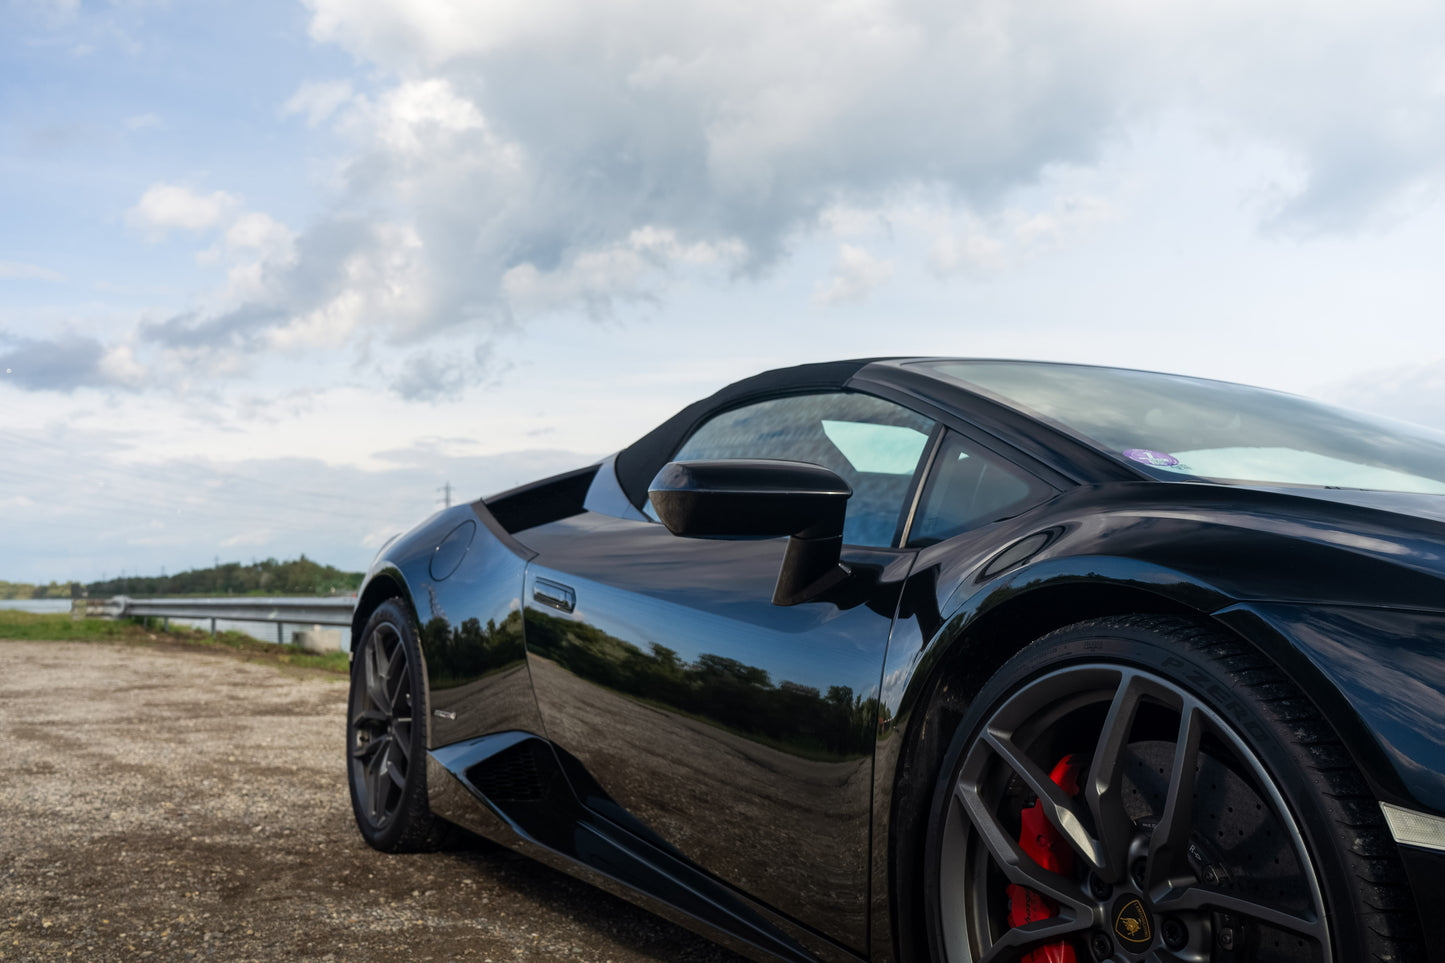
x,y
728,730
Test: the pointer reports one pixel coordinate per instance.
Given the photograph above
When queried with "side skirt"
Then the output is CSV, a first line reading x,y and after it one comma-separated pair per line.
x,y
509,788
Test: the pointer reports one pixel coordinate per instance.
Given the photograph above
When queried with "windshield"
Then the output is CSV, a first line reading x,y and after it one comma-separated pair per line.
x,y
1175,426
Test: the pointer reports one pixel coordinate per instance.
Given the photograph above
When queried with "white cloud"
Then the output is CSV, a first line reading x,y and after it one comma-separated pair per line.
x,y
318,101
261,232
257,252
971,251
965,243
664,244
409,116
1046,230
537,146
384,282
501,163
855,276
749,101
164,207
119,366
631,270
431,32
14,270
592,278
257,246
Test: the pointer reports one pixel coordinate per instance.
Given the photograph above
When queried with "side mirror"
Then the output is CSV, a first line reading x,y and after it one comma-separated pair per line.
x,y
759,497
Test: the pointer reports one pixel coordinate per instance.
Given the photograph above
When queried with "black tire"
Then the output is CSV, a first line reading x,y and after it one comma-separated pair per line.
x,y
386,736
1217,815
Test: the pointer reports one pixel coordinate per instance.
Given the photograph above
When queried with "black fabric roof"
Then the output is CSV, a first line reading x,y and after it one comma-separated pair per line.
x,y
639,462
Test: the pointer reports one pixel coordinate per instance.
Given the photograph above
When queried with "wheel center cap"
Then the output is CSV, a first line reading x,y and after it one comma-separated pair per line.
x,y
1132,924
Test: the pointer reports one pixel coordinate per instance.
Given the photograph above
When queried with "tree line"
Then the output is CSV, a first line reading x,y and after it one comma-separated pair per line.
x,y
301,576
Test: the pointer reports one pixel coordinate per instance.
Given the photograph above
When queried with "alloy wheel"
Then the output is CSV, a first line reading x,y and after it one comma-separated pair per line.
x,y
380,726
1157,834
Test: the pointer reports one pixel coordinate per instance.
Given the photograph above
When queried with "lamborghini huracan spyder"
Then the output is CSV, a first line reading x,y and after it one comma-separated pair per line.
x,y
944,660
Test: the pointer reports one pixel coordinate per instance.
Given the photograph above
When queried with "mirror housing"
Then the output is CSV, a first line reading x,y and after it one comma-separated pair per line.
x,y
755,497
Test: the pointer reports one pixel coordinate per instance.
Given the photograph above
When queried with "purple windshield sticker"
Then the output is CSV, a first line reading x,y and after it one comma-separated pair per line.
x,y
1158,459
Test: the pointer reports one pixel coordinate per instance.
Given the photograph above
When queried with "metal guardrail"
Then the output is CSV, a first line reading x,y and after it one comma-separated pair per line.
x,y
296,611
90,609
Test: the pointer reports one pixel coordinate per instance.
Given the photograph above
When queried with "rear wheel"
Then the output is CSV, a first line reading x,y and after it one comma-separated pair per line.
x,y
1141,789
386,736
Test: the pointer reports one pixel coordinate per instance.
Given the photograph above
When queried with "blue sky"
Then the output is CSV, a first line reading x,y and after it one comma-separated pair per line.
x,y
273,273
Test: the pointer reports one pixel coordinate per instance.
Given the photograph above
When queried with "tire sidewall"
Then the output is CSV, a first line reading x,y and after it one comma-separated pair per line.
x,y
389,836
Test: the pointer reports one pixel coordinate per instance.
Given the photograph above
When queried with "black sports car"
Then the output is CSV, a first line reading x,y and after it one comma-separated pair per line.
x,y
928,659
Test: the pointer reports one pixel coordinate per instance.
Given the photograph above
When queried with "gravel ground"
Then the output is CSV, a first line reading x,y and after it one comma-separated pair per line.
x,y
180,804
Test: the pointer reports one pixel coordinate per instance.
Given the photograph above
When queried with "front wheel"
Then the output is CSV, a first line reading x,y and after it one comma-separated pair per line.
x,y
386,736
1142,789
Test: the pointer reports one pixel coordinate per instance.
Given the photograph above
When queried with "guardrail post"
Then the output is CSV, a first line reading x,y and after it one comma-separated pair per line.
x,y
280,633
213,626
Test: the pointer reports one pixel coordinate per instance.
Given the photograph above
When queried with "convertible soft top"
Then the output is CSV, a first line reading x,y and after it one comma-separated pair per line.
x,y
640,461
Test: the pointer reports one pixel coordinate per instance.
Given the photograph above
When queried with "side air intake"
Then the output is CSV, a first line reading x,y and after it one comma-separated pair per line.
x,y
512,775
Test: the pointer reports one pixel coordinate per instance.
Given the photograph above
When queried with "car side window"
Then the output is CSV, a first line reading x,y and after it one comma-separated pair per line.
x,y
874,445
968,487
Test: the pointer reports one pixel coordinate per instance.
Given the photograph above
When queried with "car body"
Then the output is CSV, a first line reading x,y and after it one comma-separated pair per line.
x,y
890,678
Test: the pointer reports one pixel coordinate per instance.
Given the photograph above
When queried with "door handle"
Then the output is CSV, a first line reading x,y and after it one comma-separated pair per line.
x,y
554,594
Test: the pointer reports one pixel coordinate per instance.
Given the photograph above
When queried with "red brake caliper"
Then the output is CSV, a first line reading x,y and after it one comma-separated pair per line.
x,y
1042,843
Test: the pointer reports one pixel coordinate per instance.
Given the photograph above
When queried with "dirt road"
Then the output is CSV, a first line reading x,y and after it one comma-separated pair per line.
x,y
178,804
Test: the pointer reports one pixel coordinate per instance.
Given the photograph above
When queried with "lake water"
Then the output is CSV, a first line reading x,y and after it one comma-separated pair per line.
x,y
265,631
331,636
36,605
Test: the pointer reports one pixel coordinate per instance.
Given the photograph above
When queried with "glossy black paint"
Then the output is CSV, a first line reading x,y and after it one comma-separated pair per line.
x,y
470,624
527,803
774,759
749,497
729,727
449,554
1426,869
758,497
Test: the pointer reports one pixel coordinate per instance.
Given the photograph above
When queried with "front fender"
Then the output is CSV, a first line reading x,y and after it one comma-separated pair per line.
x,y
1241,561
1377,676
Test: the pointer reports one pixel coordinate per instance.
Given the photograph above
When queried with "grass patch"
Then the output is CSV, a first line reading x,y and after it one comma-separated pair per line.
x,y
60,627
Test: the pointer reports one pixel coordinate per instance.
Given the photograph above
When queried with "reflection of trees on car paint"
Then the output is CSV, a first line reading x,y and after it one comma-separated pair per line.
x,y
800,719
464,653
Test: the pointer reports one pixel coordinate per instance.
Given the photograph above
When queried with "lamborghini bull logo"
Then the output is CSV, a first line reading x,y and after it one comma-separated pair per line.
x,y
1131,924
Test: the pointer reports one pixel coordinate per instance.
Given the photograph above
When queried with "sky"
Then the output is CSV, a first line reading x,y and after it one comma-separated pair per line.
x,y
274,274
